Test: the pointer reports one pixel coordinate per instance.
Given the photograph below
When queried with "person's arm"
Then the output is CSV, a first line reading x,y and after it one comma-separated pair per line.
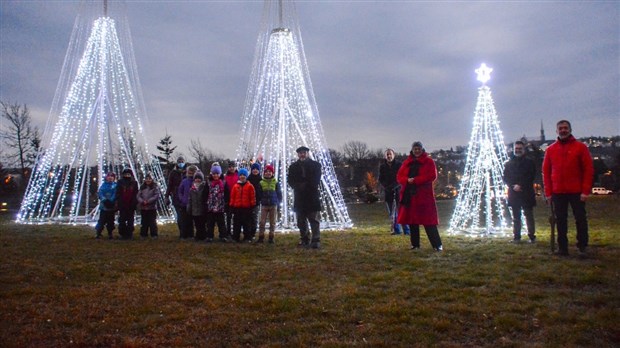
x,y
588,173
546,173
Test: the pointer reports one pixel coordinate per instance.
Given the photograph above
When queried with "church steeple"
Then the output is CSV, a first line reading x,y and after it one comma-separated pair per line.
x,y
542,132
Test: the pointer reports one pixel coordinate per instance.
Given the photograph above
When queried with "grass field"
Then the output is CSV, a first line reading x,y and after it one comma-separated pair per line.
x,y
62,288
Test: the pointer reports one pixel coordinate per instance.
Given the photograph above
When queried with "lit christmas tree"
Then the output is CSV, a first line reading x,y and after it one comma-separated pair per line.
x,y
281,114
481,202
95,125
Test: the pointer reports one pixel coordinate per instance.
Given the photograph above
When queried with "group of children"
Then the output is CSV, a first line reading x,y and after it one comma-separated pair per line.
x,y
240,195
125,197
231,202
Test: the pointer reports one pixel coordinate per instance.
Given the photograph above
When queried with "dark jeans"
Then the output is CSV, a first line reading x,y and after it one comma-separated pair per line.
x,y
242,219
199,223
431,231
126,219
529,221
560,203
312,217
391,197
212,220
149,222
185,223
106,219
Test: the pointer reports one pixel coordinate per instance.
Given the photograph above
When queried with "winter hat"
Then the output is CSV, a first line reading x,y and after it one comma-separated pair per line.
x,y
148,175
199,175
302,149
180,159
111,174
418,144
127,171
232,164
243,172
216,170
215,164
255,165
269,168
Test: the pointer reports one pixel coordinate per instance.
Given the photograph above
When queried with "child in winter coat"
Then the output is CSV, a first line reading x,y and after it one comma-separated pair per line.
x,y
147,201
185,219
215,206
254,178
196,205
242,200
107,205
127,191
269,195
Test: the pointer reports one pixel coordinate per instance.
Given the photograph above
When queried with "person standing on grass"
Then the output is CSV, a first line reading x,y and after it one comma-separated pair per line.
x,y
417,199
568,172
304,176
216,205
269,195
127,192
107,205
387,178
254,178
187,229
196,204
174,181
519,174
230,179
147,201
242,201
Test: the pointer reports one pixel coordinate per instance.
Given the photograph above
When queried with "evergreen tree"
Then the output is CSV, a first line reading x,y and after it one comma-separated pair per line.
x,y
166,149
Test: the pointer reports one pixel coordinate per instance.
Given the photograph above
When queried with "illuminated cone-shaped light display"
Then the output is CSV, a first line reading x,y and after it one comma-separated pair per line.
x,y
481,202
281,114
96,125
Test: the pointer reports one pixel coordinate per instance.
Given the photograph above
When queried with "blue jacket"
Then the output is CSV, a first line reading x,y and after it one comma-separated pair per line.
x,y
107,196
183,191
270,193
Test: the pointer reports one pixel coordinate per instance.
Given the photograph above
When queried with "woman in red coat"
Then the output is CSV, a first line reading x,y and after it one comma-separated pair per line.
x,y
417,199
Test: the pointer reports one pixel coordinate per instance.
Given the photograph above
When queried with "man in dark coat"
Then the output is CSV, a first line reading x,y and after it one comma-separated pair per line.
x,y
387,178
174,181
519,173
304,176
127,193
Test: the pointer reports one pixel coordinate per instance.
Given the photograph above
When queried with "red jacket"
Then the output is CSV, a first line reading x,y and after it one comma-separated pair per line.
x,y
422,209
568,168
243,195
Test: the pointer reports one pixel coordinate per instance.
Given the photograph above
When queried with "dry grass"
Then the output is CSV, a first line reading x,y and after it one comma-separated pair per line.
x,y
61,287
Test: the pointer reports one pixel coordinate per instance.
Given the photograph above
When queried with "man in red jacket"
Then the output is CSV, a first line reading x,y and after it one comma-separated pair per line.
x,y
567,173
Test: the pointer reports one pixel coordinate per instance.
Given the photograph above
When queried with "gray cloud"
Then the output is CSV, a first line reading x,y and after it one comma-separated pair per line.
x,y
383,72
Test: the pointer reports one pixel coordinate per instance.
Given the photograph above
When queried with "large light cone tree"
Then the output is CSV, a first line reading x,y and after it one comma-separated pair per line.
x,y
96,124
281,114
481,201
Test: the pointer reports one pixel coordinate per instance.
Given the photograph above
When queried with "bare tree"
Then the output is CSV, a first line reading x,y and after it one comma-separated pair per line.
x,y
18,134
202,155
336,157
355,151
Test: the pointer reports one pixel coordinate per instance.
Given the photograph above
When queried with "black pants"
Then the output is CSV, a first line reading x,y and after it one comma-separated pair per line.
x,y
185,223
431,231
312,217
126,219
560,203
199,223
106,219
242,219
149,222
212,220
529,221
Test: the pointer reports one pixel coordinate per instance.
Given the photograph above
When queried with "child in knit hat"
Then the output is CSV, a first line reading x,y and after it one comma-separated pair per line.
x,y
196,205
107,205
242,200
216,206
269,195
254,178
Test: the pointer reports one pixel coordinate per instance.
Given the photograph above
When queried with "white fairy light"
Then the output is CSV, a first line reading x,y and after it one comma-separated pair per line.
x,y
281,114
483,193
99,128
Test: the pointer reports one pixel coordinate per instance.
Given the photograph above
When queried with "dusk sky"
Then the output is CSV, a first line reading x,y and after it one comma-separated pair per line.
x,y
384,72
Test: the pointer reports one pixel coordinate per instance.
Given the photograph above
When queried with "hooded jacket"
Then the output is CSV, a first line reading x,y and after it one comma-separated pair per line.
x,y
421,208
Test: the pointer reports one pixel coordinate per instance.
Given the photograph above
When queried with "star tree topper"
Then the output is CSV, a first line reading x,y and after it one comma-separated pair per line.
x,y
484,73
